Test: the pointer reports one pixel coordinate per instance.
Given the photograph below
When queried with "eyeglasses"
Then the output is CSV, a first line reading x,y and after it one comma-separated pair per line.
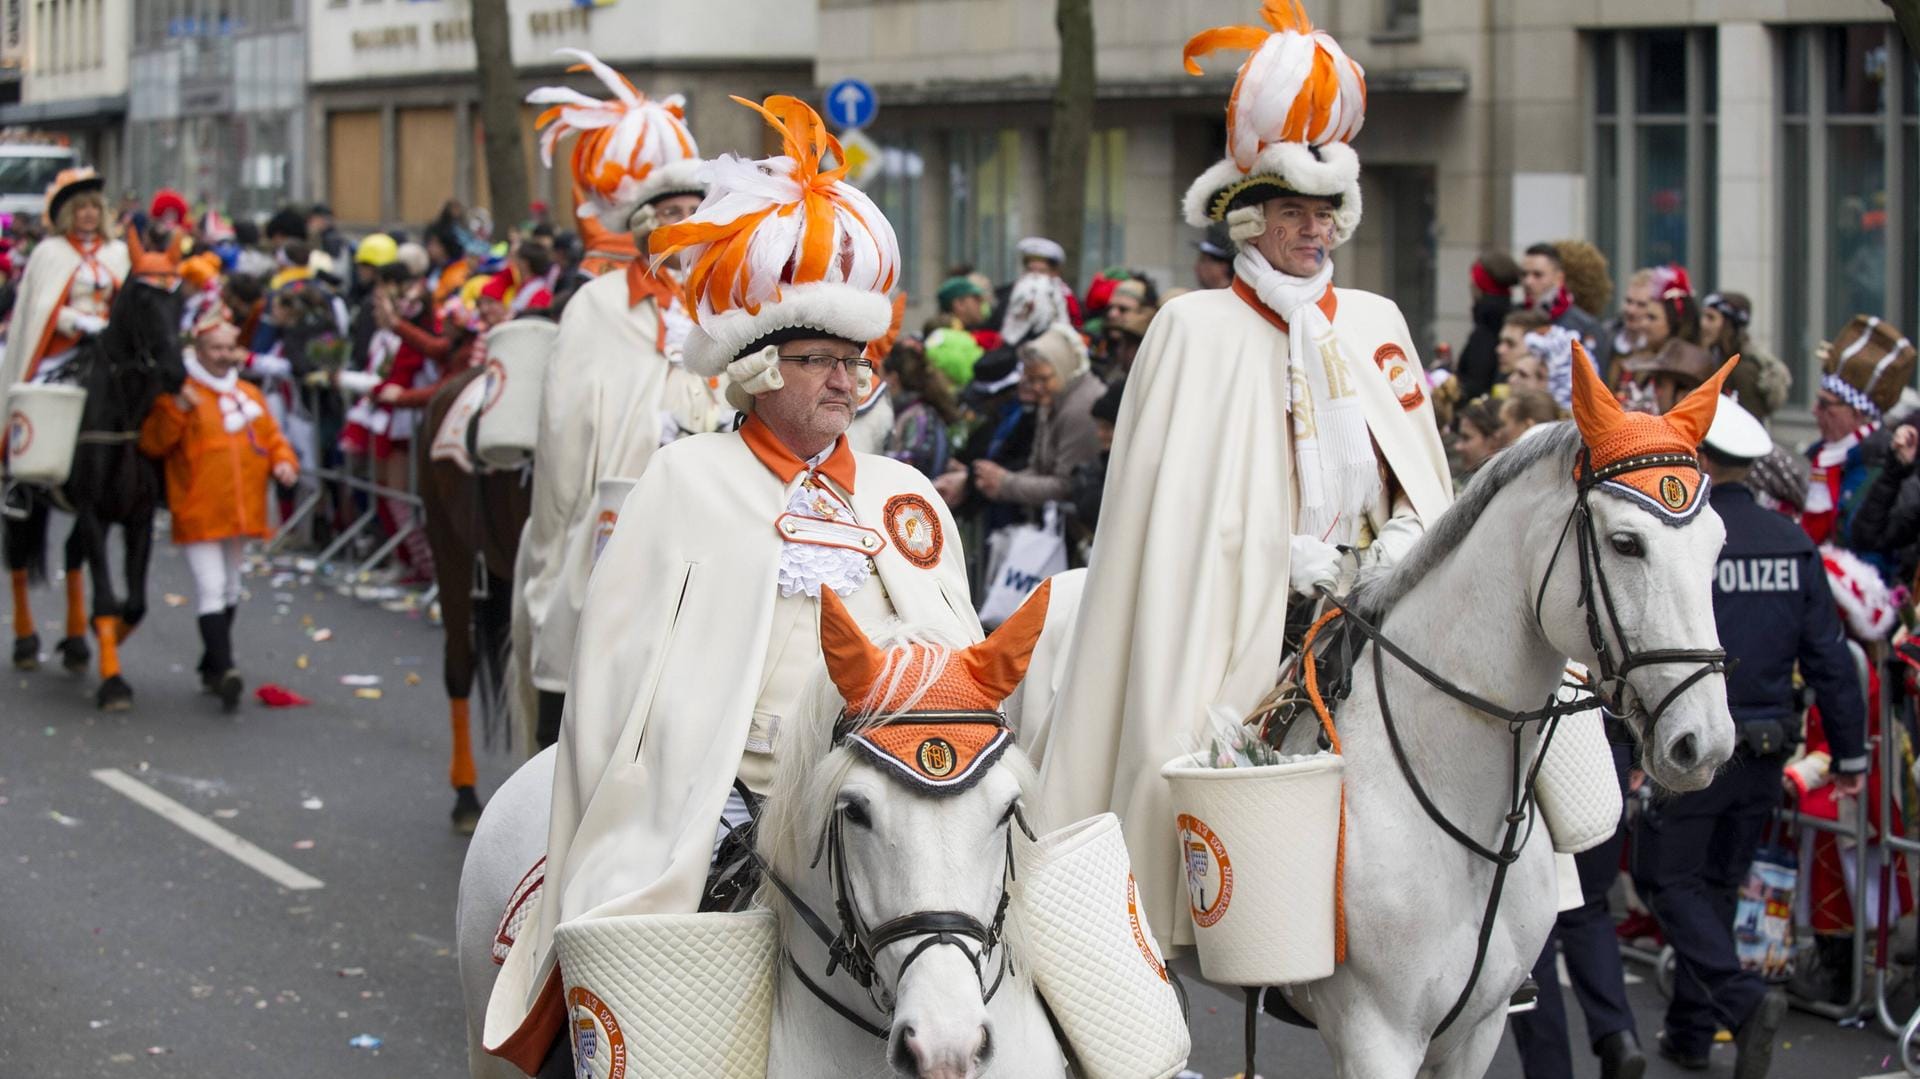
x,y
825,362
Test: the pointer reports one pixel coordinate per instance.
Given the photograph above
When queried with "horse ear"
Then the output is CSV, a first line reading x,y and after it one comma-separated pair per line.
x,y
852,660
1595,409
1694,414
1000,662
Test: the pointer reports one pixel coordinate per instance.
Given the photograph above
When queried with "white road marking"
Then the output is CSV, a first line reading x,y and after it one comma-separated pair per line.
x,y
1889,1075
208,832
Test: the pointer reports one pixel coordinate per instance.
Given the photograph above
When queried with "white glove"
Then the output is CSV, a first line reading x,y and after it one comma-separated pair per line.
x,y
1312,562
1394,540
89,325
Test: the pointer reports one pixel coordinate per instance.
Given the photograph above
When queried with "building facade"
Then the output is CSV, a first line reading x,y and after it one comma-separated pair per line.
x,y
1770,145
393,108
217,106
71,56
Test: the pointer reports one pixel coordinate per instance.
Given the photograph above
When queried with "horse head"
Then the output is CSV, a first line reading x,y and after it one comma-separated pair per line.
x,y
1627,587
143,328
896,802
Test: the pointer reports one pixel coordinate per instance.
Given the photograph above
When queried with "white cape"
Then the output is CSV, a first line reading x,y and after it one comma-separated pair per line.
x,y
1185,599
672,642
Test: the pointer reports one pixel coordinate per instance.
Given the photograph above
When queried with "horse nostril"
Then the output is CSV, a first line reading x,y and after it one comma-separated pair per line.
x,y
904,1060
983,1053
1684,751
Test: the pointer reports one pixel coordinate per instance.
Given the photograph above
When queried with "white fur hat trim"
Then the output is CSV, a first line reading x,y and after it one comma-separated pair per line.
x,y
834,308
1335,173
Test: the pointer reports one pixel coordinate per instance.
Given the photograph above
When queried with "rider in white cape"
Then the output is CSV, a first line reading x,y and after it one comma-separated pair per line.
x,y
615,381
1263,426
701,627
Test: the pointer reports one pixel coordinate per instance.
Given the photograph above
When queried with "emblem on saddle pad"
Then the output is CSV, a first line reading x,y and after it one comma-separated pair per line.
x,y
940,755
1209,873
599,1047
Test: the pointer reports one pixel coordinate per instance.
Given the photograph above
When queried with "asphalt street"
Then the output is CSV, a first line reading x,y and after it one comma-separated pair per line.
x,y
131,947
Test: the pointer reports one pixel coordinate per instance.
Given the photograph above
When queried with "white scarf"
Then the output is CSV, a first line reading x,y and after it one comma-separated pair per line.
x,y
237,409
1333,457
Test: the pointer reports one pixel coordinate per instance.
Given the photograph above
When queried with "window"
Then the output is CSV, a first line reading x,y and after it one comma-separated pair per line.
x,y
1654,167
1848,243
1103,239
983,216
1398,19
895,187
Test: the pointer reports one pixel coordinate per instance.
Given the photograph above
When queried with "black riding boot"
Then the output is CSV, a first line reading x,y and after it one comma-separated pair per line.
x,y
216,634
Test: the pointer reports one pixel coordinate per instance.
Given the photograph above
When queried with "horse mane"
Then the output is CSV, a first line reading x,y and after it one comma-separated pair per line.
x,y
1378,590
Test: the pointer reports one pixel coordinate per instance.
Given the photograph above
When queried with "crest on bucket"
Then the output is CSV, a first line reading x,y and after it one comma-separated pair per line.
x,y
946,728
1646,459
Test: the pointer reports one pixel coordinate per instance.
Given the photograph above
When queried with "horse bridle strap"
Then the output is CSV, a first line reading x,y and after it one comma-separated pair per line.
x,y
855,948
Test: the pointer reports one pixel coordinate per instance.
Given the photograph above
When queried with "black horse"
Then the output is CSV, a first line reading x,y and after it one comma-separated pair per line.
x,y
123,369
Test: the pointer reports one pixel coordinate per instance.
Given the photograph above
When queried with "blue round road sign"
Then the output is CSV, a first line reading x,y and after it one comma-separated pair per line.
x,y
851,103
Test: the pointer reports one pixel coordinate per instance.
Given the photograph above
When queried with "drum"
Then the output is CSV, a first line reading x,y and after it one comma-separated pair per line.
x,y
43,427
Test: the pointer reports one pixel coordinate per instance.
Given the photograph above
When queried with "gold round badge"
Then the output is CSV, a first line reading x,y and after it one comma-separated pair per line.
x,y
937,758
1673,492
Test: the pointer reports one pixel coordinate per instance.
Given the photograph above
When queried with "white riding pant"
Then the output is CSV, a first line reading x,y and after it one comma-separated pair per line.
x,y
216,572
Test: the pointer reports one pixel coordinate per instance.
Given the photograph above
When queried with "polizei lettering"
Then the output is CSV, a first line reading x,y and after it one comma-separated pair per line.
x,y
1759,575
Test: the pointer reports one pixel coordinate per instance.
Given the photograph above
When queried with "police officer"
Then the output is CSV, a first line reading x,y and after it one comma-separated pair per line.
x,y
1691,852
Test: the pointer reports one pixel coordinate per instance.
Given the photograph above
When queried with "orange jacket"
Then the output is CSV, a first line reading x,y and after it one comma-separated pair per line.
x,y
216,481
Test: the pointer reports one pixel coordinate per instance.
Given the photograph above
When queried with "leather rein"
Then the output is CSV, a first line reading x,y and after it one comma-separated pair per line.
x,y
854,947
1611,694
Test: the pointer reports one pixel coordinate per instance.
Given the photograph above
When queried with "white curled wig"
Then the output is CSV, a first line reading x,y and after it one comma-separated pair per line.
x,y
630,151
1297,103
782,244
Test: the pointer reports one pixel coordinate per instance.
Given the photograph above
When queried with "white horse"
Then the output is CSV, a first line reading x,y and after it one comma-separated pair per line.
x,y
904,852
509,841
1463,604
954,1012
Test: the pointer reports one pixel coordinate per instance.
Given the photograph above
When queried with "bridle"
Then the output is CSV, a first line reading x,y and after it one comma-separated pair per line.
x,y
1609,692
1595,591
854,946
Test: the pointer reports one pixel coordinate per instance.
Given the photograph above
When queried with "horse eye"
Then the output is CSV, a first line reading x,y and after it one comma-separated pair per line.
x,y
1627,545
855,810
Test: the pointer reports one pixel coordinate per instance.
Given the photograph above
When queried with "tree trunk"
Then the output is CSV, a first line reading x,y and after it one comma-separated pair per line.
x,y
500,116
1907,14
1071,132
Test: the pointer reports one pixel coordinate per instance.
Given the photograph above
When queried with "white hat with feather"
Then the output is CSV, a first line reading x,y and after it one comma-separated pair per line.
x,y
631,152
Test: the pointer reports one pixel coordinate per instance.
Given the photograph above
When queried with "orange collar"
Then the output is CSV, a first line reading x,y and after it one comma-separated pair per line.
x,y
643,282
1246,293
785,464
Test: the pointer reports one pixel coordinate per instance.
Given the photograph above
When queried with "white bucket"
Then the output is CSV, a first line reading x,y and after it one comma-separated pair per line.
x,y
670,994
1578,789
1092,954
43,426
1259,846
608,496
517,354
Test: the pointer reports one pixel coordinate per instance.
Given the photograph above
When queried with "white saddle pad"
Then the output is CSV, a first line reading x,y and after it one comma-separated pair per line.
x,y
450,442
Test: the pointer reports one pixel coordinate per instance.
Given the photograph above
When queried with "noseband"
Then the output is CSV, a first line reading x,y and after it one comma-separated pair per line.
x,y
854,947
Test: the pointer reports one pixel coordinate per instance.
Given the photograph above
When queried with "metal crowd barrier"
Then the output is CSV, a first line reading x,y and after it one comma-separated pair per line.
x,y
1863,994
320,486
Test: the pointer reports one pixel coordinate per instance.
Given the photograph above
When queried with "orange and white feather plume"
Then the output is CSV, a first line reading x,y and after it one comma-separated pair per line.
x,y
1297,102
630,151
782,243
